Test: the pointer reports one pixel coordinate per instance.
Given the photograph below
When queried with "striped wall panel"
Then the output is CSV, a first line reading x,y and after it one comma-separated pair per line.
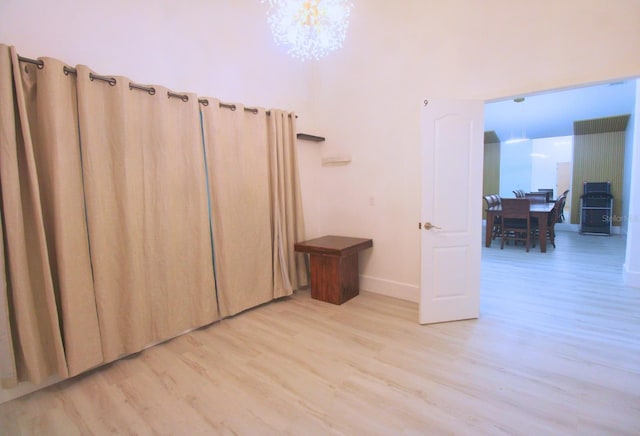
x,y
597,157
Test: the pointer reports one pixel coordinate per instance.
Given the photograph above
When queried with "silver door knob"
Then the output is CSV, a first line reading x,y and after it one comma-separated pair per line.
x,y
429,226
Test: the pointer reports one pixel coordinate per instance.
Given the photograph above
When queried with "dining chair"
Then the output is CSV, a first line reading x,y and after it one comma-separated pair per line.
x,y
491,201
516,221
536,197
561,217
549,193
552,219
519,193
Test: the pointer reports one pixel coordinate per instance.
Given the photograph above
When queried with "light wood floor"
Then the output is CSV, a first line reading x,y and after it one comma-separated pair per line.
x,y
555,351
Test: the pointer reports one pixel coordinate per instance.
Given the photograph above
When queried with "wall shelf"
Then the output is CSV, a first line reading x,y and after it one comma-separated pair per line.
x,y
307,137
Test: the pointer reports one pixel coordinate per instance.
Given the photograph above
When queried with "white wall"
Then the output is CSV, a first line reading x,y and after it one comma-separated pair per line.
x,y
533,164
516,167
632,261
365,98
368,98
219,49
546,153
628,162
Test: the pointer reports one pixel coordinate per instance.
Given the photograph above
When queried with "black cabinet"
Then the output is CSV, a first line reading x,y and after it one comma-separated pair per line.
x,y
596,208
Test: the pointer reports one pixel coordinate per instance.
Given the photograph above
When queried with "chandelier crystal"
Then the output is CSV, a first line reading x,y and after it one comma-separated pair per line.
x,y
310,29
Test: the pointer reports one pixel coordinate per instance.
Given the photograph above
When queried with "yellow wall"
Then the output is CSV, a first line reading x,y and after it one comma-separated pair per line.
x,y
598,157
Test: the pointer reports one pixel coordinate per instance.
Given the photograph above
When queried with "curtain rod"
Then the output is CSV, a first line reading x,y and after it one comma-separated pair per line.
x,y
233,107
37,62
150,89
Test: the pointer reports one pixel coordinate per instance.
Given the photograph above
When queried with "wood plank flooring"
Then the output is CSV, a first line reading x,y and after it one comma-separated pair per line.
x,y
555,351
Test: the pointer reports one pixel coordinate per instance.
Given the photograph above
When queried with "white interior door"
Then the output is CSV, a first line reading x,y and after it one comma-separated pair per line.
x,y
452,153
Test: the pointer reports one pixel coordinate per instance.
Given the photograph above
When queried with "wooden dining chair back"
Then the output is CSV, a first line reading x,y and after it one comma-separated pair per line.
x,y
549,193
563,201
552,219
561,217
516,221
536,197
487,201
519,193
492,201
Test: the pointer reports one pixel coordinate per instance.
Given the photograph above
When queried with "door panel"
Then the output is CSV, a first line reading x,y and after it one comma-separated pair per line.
x,y
452,154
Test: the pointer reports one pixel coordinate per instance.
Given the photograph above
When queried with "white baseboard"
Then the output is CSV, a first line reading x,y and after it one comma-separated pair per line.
x,y
631,278
568,227
390,288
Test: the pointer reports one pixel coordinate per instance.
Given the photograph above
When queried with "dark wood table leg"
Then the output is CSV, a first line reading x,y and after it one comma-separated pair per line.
x,y
542,230
334,279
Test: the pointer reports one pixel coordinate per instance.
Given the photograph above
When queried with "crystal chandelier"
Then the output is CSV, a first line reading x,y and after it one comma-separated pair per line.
x,y
310,29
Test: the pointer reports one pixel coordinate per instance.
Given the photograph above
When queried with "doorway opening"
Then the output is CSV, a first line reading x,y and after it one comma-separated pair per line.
x,y
529,142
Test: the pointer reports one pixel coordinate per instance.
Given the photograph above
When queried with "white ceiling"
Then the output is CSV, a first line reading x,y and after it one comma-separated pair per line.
x,y
552,114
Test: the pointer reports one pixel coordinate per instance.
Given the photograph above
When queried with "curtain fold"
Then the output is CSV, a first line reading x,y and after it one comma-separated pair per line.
x,y
179,262
237,159
8,370
286,202
35,325
147,212
53,107
111,198
113,175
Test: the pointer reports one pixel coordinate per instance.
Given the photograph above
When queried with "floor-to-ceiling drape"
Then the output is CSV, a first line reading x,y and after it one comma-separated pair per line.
x,y
256,203
50,285
50,97
147,211
286,199
237,158
8,374
129,213
8,138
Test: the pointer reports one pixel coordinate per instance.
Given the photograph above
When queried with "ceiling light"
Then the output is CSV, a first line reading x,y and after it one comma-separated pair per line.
x,y
540,155
310,29
515,140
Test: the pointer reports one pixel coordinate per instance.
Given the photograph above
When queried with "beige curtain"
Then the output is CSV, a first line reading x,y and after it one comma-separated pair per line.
x,y
51,101
8,373
53,317
8,138
147,211
237,160
111,199
289,271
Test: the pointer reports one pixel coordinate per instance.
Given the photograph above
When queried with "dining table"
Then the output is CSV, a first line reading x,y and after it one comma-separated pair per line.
x,y
536,210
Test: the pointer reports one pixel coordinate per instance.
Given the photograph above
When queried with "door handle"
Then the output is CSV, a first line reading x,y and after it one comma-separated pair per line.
x,y
429,226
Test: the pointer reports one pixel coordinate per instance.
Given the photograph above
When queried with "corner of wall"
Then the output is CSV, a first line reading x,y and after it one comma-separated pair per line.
x,y
390,288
